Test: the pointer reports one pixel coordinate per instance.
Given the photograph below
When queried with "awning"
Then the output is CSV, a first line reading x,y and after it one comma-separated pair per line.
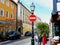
x,y
2,22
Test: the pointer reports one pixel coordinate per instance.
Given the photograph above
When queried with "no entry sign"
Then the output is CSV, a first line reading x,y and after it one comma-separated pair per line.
x,y
32,18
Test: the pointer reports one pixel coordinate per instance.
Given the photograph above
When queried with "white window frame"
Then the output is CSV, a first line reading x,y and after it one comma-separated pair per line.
x,y
2,1
12,5
8,13
3,12
7,2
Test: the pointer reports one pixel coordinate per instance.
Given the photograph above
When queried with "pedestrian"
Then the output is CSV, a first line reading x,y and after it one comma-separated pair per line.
x,y
44,41
39,38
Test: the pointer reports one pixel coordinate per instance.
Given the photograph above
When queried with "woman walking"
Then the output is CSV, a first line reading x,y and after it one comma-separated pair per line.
x,y
44,41
39,38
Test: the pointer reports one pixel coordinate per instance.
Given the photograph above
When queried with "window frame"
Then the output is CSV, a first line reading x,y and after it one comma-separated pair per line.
x,y
2,1
7,2
0,12
12,5
8,13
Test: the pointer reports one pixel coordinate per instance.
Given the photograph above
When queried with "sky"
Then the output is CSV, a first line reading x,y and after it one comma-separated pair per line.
x,y
43,8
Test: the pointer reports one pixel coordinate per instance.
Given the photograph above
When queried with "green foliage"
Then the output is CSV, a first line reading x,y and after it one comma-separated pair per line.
x,y
43,28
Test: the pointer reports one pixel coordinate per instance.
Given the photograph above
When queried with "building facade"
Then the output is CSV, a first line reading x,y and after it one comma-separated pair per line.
x,y
8,11
23,16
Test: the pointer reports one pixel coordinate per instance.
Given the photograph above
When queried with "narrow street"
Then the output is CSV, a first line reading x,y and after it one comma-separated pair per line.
x,y
26,41
29,22
18,42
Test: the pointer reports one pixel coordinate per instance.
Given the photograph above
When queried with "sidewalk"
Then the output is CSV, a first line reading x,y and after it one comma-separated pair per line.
x,y
48,43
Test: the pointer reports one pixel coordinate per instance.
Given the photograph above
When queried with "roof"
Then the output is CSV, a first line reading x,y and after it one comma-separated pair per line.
x,y
24,6
13,2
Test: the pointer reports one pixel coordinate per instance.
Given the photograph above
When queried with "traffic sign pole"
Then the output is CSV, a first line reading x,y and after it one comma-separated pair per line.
x,y
32,40
32,18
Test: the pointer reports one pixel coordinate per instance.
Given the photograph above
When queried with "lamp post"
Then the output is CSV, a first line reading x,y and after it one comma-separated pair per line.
x,y
32,12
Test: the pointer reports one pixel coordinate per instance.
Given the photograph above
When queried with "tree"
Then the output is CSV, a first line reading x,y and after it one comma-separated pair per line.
x,y
43,28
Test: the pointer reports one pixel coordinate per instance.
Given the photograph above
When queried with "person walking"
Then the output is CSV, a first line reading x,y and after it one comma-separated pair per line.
x,y
44,41
39,38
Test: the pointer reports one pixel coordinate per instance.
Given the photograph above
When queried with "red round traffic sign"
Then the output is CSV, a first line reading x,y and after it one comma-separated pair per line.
x,y
32,18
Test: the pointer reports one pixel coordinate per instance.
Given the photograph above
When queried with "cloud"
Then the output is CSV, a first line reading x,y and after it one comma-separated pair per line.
x,y
45,18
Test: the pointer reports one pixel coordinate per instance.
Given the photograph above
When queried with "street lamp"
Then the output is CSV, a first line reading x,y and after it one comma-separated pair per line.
x,y
32,7
32,12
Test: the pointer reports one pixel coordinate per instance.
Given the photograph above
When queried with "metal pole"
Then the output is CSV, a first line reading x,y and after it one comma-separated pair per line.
x,y
32,40
32,12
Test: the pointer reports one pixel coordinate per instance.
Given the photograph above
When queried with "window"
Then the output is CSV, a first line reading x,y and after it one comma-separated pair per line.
x,y
58,0
7,13
12,16
1,12
2,1
21,11
12,5
7,2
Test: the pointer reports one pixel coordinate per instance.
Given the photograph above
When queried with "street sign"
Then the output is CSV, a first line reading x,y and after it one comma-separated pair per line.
x,y
32,18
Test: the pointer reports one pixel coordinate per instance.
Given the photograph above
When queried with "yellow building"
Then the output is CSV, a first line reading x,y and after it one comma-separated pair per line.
x,y
27,25
8,9
23,15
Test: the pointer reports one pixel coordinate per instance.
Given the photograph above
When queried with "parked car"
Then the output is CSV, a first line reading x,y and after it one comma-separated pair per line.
x,y
28,33
13,35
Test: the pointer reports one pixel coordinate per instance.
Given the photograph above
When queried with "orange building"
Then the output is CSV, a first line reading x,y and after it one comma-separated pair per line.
x,y
8,12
